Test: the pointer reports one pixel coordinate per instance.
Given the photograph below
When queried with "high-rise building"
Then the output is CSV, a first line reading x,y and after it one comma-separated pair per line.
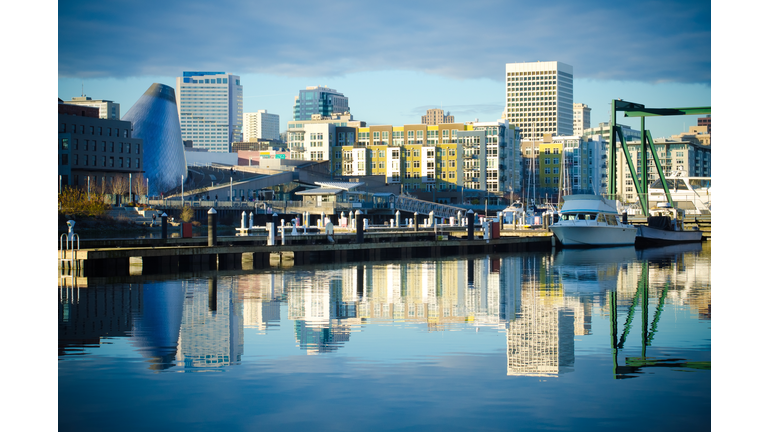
x,y
107,109
540,98
436,116
319,100
261,125
581,118
210,109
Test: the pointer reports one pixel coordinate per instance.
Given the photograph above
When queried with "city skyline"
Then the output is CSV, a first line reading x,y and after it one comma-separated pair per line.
x,y
401,61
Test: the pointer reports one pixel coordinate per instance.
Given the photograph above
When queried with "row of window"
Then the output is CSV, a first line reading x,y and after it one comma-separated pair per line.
x,y
92,130
92,145
91,161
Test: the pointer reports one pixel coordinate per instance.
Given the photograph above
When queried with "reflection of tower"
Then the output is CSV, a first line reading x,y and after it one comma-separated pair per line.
x,y
540,340
156,330
261,309
509,288
322,317
211,329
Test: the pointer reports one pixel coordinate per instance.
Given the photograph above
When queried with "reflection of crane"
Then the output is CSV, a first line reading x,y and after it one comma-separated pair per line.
x,y
634,365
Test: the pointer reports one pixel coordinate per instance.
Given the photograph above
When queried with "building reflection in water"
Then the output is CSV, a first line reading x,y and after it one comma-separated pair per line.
x,y
541,301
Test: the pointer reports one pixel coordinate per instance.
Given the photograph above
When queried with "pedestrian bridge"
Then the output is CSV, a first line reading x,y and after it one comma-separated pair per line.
x,y
413,205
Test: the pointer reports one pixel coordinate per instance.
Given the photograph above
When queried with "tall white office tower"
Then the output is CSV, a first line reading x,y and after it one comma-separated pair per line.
x,y
210,109
261,125
581,118
540,98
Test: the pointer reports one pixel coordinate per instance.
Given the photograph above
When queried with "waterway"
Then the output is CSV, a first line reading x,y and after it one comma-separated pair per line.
x,y
598,339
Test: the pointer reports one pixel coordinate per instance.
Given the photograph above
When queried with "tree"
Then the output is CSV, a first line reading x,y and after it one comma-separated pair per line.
x,y
139,186
119,185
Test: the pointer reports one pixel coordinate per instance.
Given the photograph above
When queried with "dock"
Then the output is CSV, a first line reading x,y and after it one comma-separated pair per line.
x,y
123,257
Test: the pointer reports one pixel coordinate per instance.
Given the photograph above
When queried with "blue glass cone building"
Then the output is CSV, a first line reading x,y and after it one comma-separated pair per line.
x,y
155,120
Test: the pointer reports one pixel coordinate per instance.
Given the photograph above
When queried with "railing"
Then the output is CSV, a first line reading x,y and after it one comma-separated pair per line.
x,y
67,244
425,207
259,206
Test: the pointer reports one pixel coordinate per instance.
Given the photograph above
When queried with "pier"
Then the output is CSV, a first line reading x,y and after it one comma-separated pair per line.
x,y
122,257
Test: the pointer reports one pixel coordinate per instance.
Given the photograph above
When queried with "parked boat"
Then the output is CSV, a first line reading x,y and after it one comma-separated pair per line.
x,y
665,226
591,220
692,194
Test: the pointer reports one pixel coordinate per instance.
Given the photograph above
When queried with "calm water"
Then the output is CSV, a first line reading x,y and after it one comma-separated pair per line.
x,y
605,339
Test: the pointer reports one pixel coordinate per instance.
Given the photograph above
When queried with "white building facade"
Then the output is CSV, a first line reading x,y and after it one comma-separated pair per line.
x,y
107,109
261,125
210,109
540,98
581,118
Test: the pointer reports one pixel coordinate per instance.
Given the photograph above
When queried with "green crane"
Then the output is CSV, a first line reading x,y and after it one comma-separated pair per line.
x,y
632,109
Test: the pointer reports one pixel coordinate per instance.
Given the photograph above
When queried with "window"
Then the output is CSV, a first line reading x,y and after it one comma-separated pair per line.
x,y
65,143
112,161
65,159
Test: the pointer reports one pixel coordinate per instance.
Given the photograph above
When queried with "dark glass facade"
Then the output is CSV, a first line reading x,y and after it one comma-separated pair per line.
x,y
319,100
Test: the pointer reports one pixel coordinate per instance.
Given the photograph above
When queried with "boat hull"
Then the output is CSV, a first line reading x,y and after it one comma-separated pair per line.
x,y
654,236
592,235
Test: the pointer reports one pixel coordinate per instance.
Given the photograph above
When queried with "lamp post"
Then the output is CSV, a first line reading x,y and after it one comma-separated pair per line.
x,y
230,190
182,190
130,186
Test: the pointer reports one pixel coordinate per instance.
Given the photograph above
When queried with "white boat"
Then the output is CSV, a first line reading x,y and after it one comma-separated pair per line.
x,y
691,194
516,214
591,220
665,226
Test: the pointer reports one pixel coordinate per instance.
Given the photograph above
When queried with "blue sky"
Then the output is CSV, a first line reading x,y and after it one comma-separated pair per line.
x,y
394,60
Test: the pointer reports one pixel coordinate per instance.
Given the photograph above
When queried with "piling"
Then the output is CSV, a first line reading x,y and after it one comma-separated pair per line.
x,y
212,227
470,225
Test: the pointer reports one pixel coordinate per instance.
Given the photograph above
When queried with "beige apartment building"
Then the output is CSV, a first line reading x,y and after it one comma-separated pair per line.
x,y
436,116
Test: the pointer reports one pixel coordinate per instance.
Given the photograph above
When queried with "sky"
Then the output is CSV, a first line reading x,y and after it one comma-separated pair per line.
x,y
393,60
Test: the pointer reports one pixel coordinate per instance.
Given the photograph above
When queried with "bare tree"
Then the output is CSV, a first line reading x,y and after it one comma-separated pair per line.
x,y
139,186
119,185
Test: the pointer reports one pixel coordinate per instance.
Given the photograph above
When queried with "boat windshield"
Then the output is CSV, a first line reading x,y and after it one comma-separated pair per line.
x,y
677,184
698,183
579,216
611,219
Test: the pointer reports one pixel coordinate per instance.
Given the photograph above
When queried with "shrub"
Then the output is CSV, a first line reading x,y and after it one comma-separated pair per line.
x,y
74,201
187,214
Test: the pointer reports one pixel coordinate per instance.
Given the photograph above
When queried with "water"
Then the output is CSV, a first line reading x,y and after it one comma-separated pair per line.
x,y
604,339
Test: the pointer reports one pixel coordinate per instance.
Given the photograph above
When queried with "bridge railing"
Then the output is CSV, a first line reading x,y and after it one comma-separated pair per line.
x,y
425,207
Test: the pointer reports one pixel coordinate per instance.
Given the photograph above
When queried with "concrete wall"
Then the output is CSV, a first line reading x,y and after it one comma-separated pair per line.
x,y
207,158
